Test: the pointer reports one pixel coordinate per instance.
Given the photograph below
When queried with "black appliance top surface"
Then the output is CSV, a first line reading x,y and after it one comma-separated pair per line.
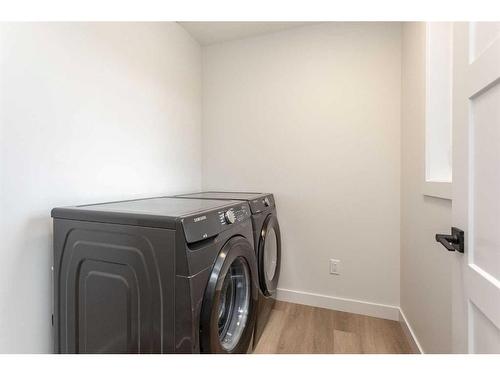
x,y
199,218
162,206
224,195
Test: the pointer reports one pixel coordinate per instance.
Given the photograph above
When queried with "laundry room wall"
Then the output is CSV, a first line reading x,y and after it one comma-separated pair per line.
x,y
312,114
89,112
425,264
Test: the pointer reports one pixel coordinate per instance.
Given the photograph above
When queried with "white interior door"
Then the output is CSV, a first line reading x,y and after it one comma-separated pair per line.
x,y
476,186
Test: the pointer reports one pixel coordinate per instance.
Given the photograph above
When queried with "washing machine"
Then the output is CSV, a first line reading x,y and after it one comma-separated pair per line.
x,y
157,275
267,241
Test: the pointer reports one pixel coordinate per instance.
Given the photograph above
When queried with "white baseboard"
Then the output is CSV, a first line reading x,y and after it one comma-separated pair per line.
x,y
376,310
410,335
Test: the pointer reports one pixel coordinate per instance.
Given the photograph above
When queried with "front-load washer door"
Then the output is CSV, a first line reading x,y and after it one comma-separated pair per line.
x,y
269,255
230,301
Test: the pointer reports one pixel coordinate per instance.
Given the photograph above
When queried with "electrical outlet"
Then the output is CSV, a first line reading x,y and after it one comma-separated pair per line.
x,y
334,266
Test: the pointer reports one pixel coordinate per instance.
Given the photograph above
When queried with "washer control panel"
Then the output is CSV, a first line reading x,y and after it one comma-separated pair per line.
x,y
232,215
208,224
262,203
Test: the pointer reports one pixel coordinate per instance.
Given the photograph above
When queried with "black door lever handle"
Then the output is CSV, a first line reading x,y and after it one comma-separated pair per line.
x,y
454,241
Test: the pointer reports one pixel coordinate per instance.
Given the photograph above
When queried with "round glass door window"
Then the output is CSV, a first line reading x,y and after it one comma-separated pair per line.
x,y
270,254
234,304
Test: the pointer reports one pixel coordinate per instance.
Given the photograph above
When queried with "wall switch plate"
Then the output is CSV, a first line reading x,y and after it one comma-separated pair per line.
x,y
334,266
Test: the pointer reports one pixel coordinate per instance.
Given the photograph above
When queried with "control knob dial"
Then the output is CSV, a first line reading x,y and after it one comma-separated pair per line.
x,y
230,217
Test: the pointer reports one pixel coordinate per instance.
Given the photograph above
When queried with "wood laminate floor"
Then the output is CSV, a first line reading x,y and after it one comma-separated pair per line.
x,y
296,328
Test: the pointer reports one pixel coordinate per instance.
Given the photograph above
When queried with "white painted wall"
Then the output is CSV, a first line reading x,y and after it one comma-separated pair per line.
x,y
425,264
88,113
312,114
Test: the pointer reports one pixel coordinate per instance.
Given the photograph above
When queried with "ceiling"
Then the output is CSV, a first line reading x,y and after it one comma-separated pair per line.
x,y
215,32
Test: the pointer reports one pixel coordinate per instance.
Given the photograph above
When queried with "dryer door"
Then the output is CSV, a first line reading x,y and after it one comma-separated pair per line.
x,y
269,255
230,301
